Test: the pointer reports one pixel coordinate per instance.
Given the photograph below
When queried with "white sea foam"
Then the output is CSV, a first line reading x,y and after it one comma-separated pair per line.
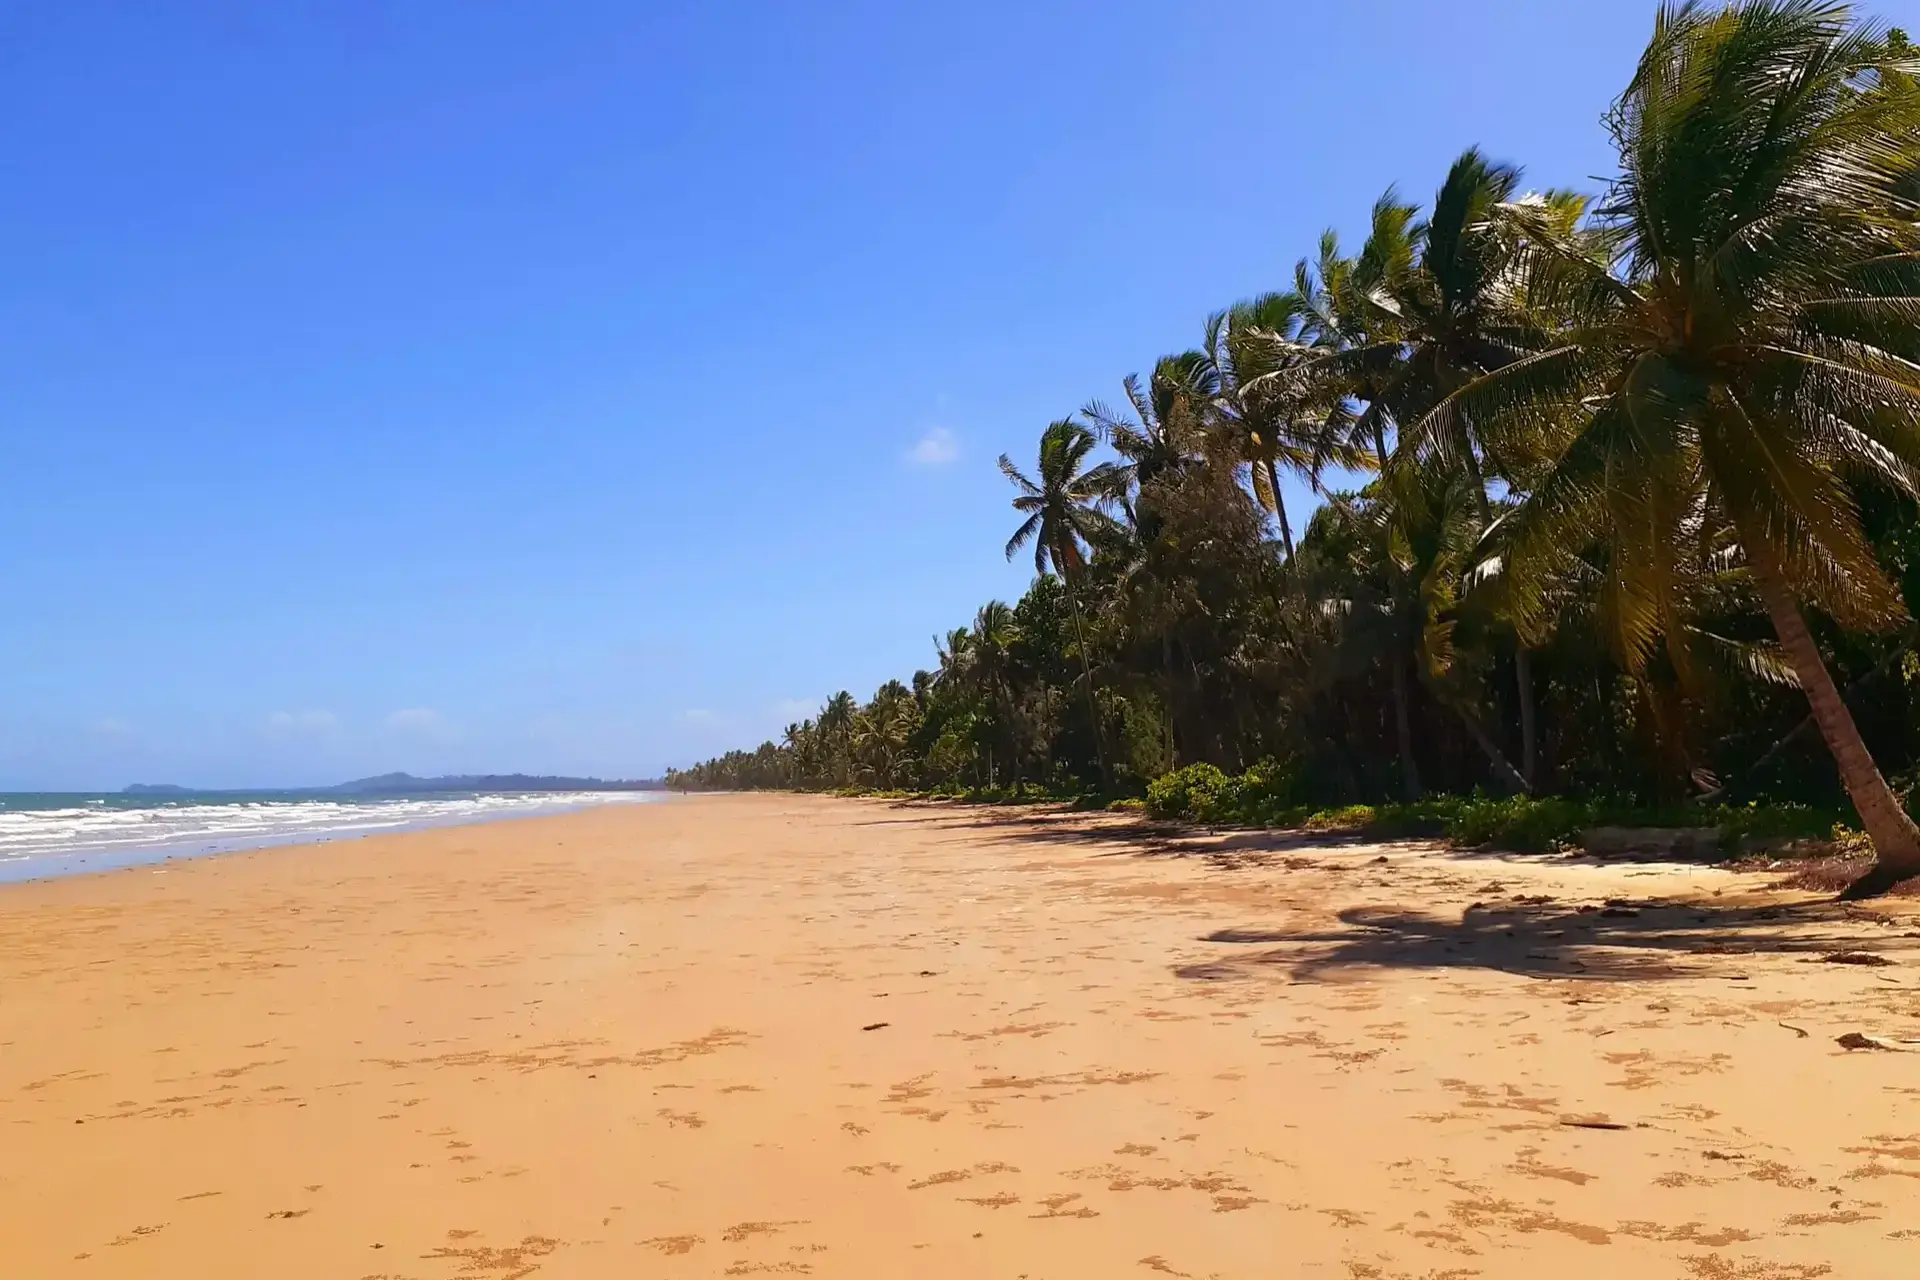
x,y
94,835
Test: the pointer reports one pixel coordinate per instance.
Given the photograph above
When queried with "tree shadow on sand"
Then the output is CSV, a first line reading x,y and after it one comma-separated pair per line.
x,y
1120,836
1541,939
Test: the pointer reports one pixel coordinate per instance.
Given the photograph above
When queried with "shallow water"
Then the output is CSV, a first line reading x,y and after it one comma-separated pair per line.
x,y
46,834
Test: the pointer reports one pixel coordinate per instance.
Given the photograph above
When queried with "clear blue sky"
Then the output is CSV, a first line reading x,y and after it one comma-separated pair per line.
x,y
588,387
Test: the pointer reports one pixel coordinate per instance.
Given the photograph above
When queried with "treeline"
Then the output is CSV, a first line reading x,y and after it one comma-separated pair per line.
x,y
1635,515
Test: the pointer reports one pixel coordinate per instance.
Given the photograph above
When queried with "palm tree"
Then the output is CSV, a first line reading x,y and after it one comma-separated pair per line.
x,y
836,727
990,665
1745,357
799,742
1066,510
1338,334
1166,434
1294,427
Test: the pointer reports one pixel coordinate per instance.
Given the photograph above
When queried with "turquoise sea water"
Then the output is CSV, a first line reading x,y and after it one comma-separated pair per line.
x,y
64,833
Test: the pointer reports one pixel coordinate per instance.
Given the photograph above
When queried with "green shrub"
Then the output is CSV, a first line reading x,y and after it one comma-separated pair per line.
x,y
1520,823
1427,817
1266,795
1353,817
1131,804
1194,792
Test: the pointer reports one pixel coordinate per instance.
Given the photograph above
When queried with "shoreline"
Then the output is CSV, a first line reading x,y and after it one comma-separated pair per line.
x,y
105,858
789,1035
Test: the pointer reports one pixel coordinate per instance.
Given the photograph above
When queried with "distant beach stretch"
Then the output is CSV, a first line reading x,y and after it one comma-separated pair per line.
x,y
53,834
778,1035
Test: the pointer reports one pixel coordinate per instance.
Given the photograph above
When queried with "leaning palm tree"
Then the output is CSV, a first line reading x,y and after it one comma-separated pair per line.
x,y
1746,355
1066,511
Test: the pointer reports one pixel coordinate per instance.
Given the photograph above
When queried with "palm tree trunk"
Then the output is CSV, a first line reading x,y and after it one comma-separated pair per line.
x,y
1410,787
1758,767
1166,698
1529,736
1280,508
1502,766
1093,703
1896,840
1012,734
1522,659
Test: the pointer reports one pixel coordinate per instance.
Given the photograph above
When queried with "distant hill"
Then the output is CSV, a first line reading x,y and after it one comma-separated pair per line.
x,y
405,784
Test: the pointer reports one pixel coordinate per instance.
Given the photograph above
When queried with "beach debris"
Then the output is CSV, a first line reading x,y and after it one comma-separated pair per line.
x,y
875,1026
1591,1122
1798,1031
1855,957
1856,1040
1618,913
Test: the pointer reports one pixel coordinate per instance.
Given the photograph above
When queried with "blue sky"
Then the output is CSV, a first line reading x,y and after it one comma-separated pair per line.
x,y
590,387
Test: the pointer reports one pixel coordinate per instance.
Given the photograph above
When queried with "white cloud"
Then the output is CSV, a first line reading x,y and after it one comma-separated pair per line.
x,y
292,724
701,716
114,727
936,448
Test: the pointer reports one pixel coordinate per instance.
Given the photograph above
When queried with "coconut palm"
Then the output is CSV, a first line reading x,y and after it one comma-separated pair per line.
x,y
1290,427
1747,357
990,666
1166,433
1066,511
836,731
1338,335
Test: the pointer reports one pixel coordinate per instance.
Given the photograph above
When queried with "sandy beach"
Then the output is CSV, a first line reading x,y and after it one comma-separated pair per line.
x,y
734,1036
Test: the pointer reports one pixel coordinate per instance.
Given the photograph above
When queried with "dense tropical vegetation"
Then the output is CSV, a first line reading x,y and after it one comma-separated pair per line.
x,y
1629,492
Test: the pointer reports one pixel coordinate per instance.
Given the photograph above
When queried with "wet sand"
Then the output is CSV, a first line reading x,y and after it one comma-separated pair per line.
x,y
736,1036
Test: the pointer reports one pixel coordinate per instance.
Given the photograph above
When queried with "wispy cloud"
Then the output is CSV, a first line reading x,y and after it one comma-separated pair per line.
x,y
114,728
793,710
936,448
418,720
302,724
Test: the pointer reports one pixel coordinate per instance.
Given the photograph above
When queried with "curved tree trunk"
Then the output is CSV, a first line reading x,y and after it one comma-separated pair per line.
x,y
1753,771
1280,508
1896,840
1502,767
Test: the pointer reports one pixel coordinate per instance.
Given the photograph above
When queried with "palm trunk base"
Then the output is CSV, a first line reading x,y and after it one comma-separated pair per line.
x,y
1881,878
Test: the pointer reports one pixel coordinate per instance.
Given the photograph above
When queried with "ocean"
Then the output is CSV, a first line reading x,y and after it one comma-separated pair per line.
x,y
46,834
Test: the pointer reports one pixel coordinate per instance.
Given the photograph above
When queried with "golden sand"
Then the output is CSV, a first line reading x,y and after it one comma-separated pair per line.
x,y
804,1037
